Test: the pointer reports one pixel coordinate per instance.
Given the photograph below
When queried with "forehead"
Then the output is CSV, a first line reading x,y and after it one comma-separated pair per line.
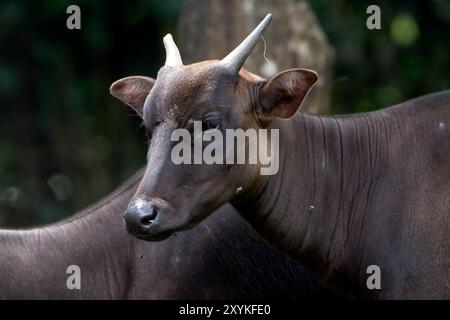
x,y
190,86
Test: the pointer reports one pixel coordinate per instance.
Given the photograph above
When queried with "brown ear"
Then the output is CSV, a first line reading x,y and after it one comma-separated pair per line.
x,y
132,91
282,95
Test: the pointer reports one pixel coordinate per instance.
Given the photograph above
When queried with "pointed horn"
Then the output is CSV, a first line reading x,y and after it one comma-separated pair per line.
x,y
236,58
173,57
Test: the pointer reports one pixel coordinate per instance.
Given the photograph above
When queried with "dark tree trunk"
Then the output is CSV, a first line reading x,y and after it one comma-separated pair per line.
x,y
294,39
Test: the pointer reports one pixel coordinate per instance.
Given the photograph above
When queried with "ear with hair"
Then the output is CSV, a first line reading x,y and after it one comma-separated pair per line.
x,y
282,95
132,91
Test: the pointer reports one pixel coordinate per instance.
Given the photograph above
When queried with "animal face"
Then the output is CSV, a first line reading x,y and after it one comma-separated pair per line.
x,y
189,112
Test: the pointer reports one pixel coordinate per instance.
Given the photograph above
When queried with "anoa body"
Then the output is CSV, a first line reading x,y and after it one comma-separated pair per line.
x,y
351,191
361,190
221,259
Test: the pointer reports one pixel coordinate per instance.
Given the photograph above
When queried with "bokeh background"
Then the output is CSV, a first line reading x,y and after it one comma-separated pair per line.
x,y
65,142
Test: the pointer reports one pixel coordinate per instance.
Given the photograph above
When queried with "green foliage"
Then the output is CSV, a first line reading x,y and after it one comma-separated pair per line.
x,y
65,142
408,57
404,29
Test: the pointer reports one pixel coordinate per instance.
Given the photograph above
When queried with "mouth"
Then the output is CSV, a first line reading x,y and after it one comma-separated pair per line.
x,y
151,233
154,237
158,229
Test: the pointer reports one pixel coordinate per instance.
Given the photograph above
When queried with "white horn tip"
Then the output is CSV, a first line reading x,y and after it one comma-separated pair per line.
x,y
168,37
265,22
173,57
236,58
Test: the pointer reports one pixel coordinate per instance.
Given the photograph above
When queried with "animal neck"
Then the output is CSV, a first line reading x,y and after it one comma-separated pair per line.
x,y
93,240
314,208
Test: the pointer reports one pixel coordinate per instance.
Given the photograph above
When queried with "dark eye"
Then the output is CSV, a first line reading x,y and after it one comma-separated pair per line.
x,y
208,124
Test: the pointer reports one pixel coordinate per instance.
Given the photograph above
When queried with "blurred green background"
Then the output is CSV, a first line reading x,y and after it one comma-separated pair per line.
x,y
65,142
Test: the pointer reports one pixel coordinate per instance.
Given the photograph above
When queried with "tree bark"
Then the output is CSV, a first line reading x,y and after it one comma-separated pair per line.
x,y
211,29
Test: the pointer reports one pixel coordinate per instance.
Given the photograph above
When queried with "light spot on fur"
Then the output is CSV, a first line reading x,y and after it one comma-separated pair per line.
x,y
139,204
268,69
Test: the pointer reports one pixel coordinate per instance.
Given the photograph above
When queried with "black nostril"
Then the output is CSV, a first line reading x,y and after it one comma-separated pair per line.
x,y
139,216
149,217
